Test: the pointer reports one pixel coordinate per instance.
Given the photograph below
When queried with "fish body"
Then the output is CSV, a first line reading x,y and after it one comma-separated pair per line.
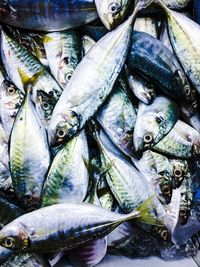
x,y
117,117
65,226
67,179
29,154
90,84
48,15
64,52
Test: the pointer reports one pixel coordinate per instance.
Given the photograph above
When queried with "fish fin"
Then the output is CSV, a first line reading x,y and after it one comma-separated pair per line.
x,y
47,39
28,81
145,214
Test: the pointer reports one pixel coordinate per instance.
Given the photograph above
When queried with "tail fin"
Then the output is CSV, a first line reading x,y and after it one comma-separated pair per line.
x,y
28,81
142,214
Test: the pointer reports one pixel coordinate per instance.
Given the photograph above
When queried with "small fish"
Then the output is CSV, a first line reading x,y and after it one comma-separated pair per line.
x,y
11,99
181,142
67,179
48,15
112,12
128,186
183,34
15,56
117,117
64,52
66,226
29,151
26,260
144,90
149,57
154,121
90,84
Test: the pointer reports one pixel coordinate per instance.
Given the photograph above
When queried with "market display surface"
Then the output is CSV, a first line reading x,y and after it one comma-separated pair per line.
x,y
99,131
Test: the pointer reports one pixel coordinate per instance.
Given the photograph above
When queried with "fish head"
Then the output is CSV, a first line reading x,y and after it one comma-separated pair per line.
x,y
14,237
64,72
62,126
163,186
179,169
45,104
112,12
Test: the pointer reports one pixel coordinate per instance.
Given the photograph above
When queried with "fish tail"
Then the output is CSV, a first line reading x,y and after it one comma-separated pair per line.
x,y
143,213
28,81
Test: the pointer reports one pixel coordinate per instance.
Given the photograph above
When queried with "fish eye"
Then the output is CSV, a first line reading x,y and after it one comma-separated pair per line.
x,y
159,119
164,235
11,90
61,133
9,242
187,90
148,138
166,190
178,173
183,213
45,105
114,8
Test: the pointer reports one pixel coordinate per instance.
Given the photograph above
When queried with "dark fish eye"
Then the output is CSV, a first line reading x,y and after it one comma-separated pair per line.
x,y
61,133
148,138
11,90
178,173
159,119
164,235
166,190
45,106
114,8
187,90
9,242
183,213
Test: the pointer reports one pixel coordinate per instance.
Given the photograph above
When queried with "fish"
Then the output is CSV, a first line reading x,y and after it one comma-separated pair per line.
x,y
127,185
4,139
184,42
15,56
111,12
154,122
64,52
11,99
94,32
179,171
156,169
105,196
191,115
118,116
25,259
144,90
29,151
32,41
67,179
48,15
181,142
90,84
149,57
66,226
178,5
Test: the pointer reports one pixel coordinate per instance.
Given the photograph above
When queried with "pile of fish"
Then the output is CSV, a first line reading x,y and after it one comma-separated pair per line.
x,y
99,130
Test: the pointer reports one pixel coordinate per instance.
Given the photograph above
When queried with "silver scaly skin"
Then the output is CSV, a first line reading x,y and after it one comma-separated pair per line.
x,y
117,117
64,52
67,179
29,154
182,141
154,121
90,84
72,225
15,57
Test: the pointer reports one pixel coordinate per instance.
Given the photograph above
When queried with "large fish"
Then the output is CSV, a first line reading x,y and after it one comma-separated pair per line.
x,y
47,15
